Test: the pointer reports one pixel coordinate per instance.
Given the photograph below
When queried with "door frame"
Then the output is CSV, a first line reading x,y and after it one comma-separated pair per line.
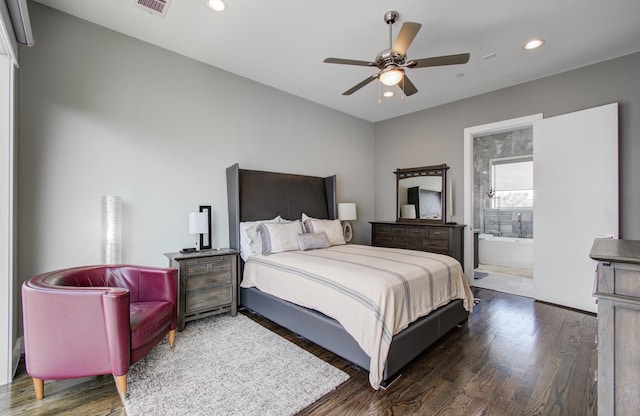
x,y
469,134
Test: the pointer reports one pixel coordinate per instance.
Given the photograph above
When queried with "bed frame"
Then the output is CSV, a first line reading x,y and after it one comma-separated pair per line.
x,y
257,195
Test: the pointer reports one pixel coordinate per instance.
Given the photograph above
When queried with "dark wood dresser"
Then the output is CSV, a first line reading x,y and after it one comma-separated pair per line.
x,y
617,289
435,238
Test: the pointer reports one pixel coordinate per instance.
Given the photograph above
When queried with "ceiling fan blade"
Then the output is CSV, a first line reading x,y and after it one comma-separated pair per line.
x,y
360,85
462,58
348,62
407,86
408,32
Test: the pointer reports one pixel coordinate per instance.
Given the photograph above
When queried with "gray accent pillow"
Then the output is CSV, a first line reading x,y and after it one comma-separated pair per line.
x,y
311,241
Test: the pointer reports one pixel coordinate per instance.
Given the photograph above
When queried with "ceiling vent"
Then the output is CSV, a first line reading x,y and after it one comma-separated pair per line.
x,y
157,7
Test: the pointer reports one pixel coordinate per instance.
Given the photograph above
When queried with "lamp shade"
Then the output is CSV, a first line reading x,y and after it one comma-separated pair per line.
x,y
347,211
408,211
391,77
198,223
111,229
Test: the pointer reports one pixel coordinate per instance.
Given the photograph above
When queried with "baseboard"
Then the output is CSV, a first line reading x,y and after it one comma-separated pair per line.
x,y
18,350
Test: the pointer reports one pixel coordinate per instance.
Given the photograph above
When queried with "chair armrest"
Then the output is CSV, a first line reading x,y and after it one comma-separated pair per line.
x,y
158,284
65,329
117,320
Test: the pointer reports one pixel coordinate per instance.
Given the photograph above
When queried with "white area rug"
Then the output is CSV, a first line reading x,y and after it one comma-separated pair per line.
x,y
228,366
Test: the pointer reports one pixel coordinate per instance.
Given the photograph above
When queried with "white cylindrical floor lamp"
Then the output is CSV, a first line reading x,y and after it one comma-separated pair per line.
x,y
111,229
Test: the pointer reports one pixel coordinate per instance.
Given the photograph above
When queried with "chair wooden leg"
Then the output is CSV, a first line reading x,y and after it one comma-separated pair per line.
x,y
38,385
121,383
172,337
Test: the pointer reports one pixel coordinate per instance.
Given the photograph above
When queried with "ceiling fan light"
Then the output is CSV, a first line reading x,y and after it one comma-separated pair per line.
x,y
216,5
391,77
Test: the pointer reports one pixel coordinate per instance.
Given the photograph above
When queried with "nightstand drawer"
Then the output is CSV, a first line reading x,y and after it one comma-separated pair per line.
x,y
207,299
206,265
207,281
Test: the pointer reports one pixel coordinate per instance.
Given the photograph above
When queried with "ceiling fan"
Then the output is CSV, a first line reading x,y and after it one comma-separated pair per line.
x,y
392,62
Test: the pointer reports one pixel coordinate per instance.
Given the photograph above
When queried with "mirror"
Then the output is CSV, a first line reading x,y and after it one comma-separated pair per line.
x,y
421,194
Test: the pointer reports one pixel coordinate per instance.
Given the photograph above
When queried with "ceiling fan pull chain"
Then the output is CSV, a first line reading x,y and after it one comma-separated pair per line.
x,y
379,92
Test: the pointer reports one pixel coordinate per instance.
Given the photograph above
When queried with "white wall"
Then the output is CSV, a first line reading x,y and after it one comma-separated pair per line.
x,y
435,135
102,113
7,327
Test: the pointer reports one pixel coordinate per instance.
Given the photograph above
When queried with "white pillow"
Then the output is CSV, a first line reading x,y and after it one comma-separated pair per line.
x,y
279,237
332,228
250,242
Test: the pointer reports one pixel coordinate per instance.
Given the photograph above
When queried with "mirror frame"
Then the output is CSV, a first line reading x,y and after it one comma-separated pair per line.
x,y
427,171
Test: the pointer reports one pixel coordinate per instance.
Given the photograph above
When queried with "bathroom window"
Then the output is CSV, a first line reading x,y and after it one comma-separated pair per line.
x,y
512,182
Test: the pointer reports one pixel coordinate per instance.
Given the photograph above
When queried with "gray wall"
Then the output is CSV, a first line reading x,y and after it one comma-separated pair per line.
x,y
102,113
435,135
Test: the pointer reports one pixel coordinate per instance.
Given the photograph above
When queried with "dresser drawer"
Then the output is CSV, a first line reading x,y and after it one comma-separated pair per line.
x,y
417,232
438,246
438,233
207,299
384,241
398,231
206,265
382,229
410,243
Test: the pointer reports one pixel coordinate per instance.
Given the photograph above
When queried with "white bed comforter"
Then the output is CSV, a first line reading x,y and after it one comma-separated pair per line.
x,y
373,292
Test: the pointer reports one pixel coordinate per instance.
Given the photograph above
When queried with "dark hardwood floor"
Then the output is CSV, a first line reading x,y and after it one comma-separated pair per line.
x,y
513,357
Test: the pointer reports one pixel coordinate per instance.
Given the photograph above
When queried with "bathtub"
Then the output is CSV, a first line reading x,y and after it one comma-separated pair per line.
x,y
505,251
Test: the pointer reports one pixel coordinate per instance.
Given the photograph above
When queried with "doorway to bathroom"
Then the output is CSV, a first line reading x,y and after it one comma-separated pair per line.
x,y
503,200
500,181
576,171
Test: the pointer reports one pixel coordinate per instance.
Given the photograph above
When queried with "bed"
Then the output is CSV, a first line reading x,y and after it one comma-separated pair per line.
x,y
258,195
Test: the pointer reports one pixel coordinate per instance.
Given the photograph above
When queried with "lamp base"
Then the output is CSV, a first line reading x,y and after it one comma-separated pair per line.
x,y
347,231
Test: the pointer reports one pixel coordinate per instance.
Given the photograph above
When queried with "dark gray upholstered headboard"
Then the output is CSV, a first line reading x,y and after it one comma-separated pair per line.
x,y
256,195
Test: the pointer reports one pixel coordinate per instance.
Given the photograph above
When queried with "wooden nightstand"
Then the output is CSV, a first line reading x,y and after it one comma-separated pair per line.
x,y
207,283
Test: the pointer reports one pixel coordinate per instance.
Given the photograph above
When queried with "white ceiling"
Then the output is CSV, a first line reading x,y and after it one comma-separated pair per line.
x,y
282,43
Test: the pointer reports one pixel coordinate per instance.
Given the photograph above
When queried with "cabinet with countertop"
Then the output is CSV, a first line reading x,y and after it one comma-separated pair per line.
x,y
617,289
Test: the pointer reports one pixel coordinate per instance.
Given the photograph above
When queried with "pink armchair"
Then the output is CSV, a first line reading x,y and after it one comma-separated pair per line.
x,y
89,321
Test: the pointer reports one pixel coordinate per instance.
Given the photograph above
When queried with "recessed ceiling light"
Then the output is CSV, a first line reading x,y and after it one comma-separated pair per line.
x,y
533,44
216,5
388,94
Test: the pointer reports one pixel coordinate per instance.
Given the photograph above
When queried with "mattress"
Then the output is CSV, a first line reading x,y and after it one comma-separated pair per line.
x,y
373,292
